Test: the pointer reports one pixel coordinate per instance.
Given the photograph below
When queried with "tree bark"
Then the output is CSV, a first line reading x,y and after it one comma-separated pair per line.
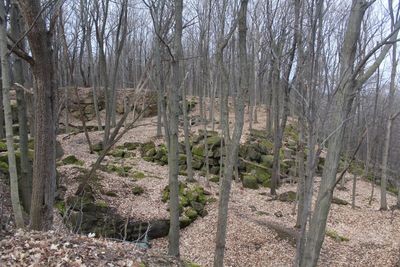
x,y
44,166
233,145
12,166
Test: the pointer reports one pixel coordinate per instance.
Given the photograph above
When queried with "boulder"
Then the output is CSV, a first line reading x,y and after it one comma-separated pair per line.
x,y
250,181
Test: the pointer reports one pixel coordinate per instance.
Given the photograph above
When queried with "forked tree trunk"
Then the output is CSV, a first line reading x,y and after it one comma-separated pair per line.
x,y
233,144
12,166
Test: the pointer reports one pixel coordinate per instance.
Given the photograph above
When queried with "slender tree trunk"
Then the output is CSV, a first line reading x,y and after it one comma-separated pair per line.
x,y
189,169
173,151
25,179
233,145
388,130
12,166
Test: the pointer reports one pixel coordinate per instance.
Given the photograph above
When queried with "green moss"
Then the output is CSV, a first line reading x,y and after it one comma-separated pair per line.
x,y
118,153
101,204
137,190
60,206
31,144
146,147
138,175
97,147
334,235
198,150
191,214
72,160
258,134
131,146
214,140
3,146
212,200
120,170
267,183
191,264
214,179
3,167
291,132
263,177
288,196
184,221
250,181
267,144
111,194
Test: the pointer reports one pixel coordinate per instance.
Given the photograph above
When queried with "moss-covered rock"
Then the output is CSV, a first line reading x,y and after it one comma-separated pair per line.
x,y
138,175
3,146
263,177
214,141
97,147
258,134
338,201
3,167
214,179
118,153
146,147
198,150
250,181
137,190
288,196
111,194
267,160
72,160
131,145
334,235
184,221
191,214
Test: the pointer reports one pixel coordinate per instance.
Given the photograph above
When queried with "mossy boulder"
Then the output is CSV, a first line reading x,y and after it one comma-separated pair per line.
x,y
146,147
288,196
111,194
191,213
263,177
197,162
131,145
137,190
3,167
3,146
258,134
184,221
339,201
72,160
198,150
214,141
97,147
250,181
138,175
118,153
214,179
334,235
267,160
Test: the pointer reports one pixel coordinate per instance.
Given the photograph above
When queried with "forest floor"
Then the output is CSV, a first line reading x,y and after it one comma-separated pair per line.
x,y
259,227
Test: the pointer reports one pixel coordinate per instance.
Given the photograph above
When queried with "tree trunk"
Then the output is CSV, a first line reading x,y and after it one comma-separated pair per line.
x,y
342,104
233,145
173,145
44,166
12,166
25,179
388,130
